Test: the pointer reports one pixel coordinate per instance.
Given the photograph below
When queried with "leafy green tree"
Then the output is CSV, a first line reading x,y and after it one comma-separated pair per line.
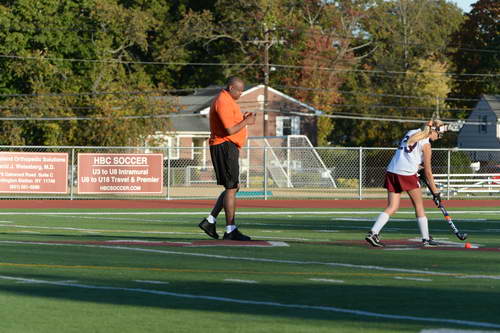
x,y
407,39
39,34
477,44
308,36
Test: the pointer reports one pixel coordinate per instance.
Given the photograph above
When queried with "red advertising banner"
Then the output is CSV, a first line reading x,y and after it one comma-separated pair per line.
x,y
120,173
33,172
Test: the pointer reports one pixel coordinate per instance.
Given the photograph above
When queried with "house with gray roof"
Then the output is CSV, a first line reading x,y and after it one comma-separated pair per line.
x,y
284,115
483,132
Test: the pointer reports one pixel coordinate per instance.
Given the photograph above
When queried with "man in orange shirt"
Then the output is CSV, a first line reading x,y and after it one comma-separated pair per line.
x,y
228,133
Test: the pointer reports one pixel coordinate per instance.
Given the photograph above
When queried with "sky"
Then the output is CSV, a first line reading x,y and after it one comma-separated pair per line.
x,y
464,4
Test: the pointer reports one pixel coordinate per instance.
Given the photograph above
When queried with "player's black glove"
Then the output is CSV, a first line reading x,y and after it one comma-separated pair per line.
x,y
421,175
437,199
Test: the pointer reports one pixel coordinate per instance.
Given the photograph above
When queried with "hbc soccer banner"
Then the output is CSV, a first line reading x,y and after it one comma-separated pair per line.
x,y
33,172
120,173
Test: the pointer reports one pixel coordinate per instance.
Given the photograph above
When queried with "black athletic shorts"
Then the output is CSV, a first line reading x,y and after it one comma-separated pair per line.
x,y
225,161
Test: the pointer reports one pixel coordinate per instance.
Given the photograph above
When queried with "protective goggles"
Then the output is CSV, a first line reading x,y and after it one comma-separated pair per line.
x,y
440,129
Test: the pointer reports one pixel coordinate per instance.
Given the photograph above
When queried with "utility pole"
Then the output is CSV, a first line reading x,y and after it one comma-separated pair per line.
x,y
267,43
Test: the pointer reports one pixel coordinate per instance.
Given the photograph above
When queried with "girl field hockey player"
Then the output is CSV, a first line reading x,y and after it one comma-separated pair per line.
x,y
402,175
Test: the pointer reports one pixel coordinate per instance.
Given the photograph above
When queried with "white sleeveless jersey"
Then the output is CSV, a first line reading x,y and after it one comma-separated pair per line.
x,y
407,159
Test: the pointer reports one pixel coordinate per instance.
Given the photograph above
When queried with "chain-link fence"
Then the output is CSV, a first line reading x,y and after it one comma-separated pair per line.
x,y
270,169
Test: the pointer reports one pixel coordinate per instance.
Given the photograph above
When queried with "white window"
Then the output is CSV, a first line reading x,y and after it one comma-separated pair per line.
x,y
484,125
161,140
173,142
287,126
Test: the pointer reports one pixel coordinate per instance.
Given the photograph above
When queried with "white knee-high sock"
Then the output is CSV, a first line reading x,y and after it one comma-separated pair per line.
x,y
382,219
424,227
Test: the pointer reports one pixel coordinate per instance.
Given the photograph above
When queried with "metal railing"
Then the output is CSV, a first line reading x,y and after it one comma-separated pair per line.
x,y
336,173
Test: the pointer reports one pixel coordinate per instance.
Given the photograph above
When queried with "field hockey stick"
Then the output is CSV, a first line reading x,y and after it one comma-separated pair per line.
x,y
460,235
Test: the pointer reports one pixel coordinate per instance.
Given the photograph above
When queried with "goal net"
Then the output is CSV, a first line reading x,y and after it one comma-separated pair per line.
x,y
290,161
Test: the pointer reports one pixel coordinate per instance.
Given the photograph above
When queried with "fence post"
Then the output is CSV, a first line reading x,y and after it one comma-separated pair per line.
x,y
265,173
449,171
288,151
360,173
72,177
248,164
168,173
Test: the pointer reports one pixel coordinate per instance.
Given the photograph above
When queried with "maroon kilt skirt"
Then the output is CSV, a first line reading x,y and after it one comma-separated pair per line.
x,y
399,183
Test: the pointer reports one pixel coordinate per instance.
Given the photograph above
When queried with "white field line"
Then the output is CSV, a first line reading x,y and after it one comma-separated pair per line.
x,y
96,231
140,241
151,281
444,241
478,277
366,219
251,213
267,260
262,303
29,281
276,243
240,281
409,228
251,223
110,218
452,330
412,279
281,224
327,280
293,239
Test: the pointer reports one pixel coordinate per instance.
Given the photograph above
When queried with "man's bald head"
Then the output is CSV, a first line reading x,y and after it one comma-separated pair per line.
x,y
235,86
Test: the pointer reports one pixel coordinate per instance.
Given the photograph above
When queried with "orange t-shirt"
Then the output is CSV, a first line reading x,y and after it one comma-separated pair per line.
x,y
225,113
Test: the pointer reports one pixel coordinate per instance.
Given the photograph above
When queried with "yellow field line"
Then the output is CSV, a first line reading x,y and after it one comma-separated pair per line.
x,y
177,270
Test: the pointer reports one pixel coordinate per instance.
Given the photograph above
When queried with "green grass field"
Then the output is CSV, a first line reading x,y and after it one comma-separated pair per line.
x,y
72,271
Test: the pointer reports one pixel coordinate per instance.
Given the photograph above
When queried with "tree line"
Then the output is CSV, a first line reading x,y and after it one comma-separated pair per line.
x,y
92,72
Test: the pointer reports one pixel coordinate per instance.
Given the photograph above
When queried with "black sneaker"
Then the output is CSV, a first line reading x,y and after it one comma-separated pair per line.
x,y
236,236
373,239
209,228
429,242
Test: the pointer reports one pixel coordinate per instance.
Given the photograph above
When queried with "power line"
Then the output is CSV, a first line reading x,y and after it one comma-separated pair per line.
x,y
378,94
381,106
380,71
442,47
164,91
129,62
466,48
161,116
385,118
352,116
103,93
121,107
337,113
